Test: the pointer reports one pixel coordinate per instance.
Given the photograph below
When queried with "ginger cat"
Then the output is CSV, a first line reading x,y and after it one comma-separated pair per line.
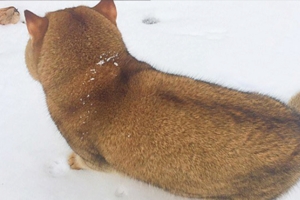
x,y
9,15
189,137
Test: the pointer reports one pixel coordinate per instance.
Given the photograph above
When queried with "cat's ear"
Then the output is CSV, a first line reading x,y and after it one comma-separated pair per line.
x,y
36,26
108,9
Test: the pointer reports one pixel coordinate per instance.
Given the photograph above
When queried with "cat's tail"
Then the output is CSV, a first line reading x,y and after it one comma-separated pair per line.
x,y
295,102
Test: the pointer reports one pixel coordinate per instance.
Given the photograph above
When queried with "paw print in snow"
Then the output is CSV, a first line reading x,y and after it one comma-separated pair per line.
x,y
57,168
121,192
150,20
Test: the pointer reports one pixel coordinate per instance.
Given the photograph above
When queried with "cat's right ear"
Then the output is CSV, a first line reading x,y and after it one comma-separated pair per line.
x,y
36,26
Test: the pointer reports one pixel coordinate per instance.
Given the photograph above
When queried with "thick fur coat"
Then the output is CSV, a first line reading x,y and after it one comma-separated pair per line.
x,y
189,137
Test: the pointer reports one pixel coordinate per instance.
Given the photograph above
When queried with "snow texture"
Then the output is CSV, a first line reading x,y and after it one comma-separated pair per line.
x,y
247,45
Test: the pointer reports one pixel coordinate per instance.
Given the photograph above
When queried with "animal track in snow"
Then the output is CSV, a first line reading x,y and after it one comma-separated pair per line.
x,y
57,168
121,192
150,20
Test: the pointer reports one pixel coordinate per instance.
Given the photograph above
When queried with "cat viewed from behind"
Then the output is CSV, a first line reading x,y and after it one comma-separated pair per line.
x,y
191,138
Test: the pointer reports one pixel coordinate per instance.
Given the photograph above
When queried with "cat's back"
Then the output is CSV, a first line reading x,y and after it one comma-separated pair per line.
x,y
179,108
174,91
190,124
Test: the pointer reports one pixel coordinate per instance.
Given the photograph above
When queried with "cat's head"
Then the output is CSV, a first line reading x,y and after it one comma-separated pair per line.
x,y
60,36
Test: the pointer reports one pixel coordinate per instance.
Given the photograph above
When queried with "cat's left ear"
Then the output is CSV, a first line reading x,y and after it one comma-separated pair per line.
x,y
108,9
36,26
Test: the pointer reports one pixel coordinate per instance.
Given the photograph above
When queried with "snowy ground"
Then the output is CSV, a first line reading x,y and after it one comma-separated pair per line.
x,y
249,45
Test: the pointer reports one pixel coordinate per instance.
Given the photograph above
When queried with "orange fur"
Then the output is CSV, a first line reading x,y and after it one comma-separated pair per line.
x,y
189,137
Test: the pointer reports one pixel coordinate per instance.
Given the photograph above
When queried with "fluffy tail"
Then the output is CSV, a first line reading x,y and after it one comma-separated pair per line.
x,y
295,102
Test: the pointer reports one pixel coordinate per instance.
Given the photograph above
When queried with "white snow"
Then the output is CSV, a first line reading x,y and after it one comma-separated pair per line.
x,y
104,59
101,62
248,45
93,71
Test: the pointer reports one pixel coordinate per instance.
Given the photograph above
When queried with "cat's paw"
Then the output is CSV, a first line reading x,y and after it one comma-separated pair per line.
x,y
76,162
